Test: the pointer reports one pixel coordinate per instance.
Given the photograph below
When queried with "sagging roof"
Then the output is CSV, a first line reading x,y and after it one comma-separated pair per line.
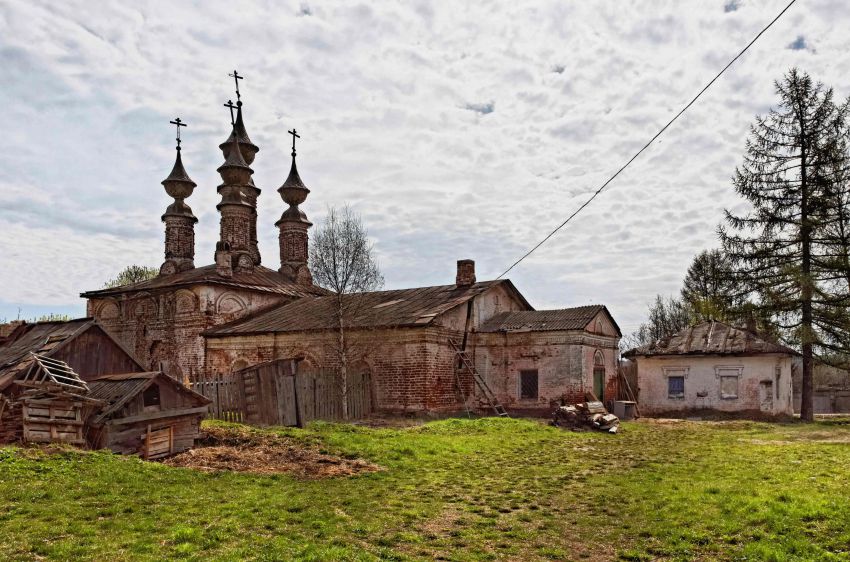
x,y
261,279
116,390
710,338
380,309
40,338
576,318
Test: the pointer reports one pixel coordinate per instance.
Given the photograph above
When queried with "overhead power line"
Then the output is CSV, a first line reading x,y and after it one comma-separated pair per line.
x,y
658,134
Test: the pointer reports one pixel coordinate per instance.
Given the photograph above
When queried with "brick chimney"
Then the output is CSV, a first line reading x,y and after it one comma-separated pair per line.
x,y
465,273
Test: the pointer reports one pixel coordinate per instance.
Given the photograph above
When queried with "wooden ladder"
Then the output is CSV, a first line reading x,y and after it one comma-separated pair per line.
x,y
488,393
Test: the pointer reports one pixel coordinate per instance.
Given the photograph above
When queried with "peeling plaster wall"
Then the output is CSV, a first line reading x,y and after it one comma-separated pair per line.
x,y
564,361
702,384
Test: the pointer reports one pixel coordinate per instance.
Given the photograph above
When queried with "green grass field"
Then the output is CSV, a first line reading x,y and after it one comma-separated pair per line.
x,y
488,489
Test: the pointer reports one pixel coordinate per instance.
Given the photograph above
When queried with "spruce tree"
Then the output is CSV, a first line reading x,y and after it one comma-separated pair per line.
x,y
709,287
780,248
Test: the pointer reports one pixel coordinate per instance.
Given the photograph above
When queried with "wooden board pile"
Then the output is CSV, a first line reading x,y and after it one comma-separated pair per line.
x,y
586,415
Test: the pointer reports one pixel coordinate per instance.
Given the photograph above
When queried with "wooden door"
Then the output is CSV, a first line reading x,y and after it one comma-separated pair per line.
x,y
599,383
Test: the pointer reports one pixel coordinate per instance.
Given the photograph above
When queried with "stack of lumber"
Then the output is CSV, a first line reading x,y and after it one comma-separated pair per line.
x,y
586,415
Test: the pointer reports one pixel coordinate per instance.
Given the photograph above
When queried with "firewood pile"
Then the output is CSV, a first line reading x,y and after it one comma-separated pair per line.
x,y
586,415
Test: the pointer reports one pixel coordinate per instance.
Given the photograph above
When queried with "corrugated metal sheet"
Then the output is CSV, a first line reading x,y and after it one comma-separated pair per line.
x,y
711,338
543,320
379,309
261,279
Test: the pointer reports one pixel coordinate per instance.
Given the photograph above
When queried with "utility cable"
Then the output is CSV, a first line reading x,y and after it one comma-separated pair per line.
x,y
658,134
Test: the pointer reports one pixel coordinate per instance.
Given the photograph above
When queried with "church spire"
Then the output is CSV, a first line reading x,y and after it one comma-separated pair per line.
x,y
293,225
178,218
237,246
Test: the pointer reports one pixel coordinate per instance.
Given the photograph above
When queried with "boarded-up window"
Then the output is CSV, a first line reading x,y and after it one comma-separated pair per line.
x,y
528,384
676,386
729,386
728,378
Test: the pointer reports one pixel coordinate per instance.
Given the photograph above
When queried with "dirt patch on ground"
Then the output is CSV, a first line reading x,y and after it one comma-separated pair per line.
x,y
243,450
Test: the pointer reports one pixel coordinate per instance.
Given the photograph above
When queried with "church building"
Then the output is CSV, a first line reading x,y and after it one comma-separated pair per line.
x,y
419,349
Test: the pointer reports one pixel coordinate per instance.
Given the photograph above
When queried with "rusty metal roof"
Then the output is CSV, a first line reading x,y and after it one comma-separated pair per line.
x,y
116,390
545,320
710,338
378,309
261,279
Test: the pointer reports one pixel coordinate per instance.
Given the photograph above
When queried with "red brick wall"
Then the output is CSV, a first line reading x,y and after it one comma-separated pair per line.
x,y
293,242
179,238
411,369
235,226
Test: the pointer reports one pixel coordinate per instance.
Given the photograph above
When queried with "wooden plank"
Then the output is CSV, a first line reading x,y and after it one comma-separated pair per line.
x,y
157,415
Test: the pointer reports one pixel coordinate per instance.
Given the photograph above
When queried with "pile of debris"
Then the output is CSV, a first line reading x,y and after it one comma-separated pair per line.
x,y
586,415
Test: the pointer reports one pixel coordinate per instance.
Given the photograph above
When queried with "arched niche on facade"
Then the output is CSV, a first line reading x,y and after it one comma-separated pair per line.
x,y
185,302
144,307
230,303
108,311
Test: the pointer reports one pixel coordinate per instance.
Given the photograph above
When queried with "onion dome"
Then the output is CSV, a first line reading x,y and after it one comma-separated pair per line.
x,y
179,185
293,192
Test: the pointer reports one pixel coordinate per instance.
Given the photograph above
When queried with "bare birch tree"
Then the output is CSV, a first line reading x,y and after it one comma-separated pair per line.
x,y
342,260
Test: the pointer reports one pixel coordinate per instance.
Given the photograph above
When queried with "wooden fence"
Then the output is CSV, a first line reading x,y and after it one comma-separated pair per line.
x,y
275,393
225,395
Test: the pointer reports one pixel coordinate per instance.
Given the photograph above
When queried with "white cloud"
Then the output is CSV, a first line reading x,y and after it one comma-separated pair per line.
x,y
457,130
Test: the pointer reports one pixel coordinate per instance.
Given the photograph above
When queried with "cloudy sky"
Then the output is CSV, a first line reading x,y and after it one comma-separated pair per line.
x,y
457,130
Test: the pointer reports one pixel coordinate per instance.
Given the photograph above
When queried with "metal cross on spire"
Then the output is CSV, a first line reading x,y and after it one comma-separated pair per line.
x,y
232,107
295,135
179,124
237,78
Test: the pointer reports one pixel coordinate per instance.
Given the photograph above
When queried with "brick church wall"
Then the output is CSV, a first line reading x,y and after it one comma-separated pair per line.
x,y
163,329
411,368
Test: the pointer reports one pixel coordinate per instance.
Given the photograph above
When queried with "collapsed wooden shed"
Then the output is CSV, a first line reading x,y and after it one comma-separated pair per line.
x,y
149,414
58,384
45,405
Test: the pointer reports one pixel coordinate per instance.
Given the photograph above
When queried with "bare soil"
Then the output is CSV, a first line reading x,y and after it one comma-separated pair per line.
x,y
240,450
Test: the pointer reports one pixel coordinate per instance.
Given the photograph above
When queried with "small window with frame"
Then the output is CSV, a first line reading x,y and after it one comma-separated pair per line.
x,y
676,382
676,386
528,384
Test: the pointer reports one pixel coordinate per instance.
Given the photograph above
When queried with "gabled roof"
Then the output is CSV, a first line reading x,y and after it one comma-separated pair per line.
x,y
40,338
261,279
116,390
379,309
710,338
43,339
576,318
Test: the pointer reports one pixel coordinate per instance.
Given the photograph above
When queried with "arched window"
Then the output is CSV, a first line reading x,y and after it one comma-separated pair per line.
x,y
599,375
598,359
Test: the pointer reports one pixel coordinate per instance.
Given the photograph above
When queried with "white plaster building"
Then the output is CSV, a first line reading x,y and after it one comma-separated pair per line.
x,y
714,367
